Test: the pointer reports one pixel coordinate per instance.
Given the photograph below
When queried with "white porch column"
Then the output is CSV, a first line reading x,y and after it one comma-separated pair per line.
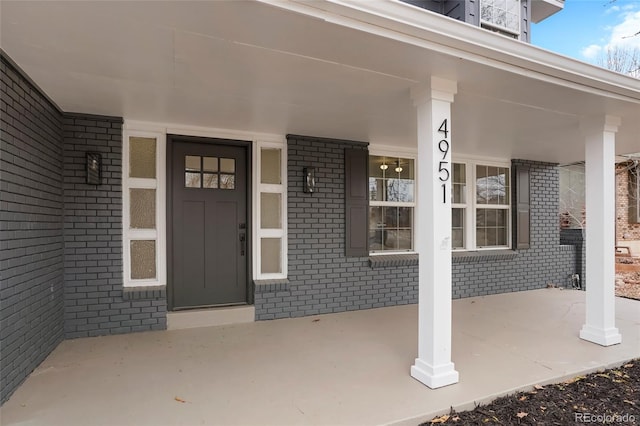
x,y
600,191
433,367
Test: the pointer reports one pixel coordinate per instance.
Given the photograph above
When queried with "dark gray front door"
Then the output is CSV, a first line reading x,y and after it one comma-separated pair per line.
x,y
209,224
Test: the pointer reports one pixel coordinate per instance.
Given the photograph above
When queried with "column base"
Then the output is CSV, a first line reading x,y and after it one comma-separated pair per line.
x,y
608,337
434,377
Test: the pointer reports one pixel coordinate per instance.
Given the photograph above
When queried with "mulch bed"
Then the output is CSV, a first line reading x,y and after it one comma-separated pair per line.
x,y
607,397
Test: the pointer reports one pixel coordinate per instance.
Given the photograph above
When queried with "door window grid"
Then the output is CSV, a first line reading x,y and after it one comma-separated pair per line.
x,y
209,172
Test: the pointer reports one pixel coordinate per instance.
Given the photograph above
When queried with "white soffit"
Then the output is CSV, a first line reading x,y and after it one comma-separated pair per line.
x,y
255,67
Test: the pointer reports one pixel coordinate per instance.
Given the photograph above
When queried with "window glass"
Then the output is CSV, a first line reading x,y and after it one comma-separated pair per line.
x,y
492,185
142,157
504,14
270,217
142,208
457,228
270,166
143,259
392,197
270,259
488,203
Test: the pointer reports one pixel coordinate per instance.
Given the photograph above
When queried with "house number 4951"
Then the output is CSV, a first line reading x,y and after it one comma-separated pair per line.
x,y
443,168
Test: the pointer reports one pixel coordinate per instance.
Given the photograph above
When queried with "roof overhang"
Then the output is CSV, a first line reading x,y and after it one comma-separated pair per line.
x,y
324,68
542,9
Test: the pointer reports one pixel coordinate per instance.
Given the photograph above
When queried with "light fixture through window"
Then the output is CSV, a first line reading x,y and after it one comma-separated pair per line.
x,y
383,167
398,168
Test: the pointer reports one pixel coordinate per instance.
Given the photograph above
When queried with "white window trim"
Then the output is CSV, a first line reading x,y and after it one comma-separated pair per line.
x,y
410,154
471,206
158,234
159,131
500,27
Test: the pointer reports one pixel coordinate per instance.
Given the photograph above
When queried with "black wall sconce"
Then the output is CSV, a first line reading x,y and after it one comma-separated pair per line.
x,y
94,168
309,183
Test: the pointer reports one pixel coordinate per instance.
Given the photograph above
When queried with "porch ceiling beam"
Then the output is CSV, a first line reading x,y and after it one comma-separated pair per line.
x,y
600,140
433,367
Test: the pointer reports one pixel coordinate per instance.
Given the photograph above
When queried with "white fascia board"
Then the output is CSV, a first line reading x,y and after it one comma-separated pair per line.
x,y
406,23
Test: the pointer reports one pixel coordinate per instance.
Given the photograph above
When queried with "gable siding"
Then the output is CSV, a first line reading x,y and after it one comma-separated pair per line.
x,y
31,228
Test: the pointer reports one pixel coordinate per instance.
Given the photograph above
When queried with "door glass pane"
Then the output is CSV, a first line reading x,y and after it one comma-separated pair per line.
x,y
210,164
142,157
270,253
270,211
192,180
143,260
209,180
270,166
142,208
227,165
227,181
192,163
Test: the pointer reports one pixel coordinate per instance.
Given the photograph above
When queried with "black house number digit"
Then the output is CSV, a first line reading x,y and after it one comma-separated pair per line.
x,y
443,168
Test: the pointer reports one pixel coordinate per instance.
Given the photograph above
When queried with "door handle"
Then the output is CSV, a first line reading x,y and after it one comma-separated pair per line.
x,y
243,240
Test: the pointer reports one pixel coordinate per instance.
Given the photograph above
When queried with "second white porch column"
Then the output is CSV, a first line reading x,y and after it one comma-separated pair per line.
x,y
600,239
433,367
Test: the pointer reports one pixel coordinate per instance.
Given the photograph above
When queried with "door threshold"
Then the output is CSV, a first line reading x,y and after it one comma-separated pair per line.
x,y
210,317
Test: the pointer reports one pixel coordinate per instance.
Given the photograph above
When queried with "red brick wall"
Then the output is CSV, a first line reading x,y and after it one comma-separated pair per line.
x,y
624,229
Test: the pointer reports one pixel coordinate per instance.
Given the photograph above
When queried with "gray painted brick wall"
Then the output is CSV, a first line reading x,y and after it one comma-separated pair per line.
x,y
95,303
322,280
545,262
31,228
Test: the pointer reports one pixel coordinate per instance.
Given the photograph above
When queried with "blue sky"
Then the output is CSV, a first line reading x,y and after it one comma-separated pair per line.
x,y
585,28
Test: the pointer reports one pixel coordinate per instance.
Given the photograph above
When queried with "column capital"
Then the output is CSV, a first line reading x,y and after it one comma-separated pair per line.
x,y
590,124
437,88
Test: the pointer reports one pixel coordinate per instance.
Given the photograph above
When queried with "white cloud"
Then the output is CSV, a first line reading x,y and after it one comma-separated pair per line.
x,y
612,9
622,35
592,51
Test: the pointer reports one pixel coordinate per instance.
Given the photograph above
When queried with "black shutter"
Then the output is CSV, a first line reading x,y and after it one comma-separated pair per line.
x,y
356,192
522,207
634,195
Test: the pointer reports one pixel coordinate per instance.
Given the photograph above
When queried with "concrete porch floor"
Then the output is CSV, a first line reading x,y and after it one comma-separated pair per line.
x,y
340,369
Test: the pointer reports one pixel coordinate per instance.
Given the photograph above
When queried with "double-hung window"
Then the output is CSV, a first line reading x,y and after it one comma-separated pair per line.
x,y
391,203
503,15
481,206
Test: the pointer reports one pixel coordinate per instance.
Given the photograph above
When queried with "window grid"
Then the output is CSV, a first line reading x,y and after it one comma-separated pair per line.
x,y
481,207
501,14
392,203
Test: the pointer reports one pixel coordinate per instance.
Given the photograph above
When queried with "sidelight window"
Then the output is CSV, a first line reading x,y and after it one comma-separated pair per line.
x,y
143,214
272,221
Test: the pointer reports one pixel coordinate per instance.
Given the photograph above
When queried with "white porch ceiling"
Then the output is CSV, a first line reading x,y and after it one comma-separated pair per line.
x,y
256,67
